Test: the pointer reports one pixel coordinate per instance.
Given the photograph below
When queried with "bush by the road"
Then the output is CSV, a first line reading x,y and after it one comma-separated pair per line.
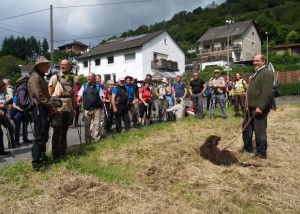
x,y
287,89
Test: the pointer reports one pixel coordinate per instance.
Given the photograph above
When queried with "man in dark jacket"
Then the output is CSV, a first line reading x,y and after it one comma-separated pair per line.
x,y
91,95
119,102
38,90
259,96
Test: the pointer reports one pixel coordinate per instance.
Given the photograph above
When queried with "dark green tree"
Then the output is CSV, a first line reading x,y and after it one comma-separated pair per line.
x,y
45,46
293,37
9,68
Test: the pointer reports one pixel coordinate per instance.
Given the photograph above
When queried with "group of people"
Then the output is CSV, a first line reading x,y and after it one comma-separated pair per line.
x,y
58,102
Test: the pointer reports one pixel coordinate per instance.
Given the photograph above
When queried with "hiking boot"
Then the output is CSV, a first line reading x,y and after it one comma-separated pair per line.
x,y
5,153
28,141
259,156
16,145
243,150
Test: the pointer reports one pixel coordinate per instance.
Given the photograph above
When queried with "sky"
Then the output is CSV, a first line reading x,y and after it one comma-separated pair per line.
x,y
80,19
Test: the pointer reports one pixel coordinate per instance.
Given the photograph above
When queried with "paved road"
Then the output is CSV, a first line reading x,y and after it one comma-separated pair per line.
x,y
24,152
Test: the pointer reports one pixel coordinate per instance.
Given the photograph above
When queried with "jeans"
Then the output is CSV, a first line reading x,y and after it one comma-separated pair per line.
x,y
122,113
198,105
20,118
221,101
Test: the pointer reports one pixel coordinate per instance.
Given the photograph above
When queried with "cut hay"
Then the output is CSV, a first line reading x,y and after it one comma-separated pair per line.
x,y
169,176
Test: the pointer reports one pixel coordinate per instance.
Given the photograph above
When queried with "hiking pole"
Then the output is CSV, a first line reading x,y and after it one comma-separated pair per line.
x,y
248,122
79,131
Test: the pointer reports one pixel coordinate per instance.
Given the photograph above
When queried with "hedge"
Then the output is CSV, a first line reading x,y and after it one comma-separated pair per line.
x,y
287,89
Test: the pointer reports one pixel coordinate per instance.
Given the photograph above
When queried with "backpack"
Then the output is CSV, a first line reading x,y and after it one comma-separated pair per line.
x,y
14,90
171,116
91,98
24,100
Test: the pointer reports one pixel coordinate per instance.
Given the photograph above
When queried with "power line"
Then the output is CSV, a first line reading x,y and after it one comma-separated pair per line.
x,y
24,14
28,34
90,37
105,4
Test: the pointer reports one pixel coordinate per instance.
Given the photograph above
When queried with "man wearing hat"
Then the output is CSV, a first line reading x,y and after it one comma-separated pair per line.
x,y
119,102
162,91
38,91
60,119
217,85
131,99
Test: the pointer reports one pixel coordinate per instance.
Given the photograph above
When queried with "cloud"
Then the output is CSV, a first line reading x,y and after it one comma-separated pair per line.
x,y
79,22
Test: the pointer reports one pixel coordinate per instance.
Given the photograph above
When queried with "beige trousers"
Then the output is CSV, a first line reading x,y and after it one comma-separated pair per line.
x,y
92,120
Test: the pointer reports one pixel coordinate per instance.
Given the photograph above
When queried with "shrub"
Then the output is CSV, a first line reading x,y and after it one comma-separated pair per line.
x,y
287,89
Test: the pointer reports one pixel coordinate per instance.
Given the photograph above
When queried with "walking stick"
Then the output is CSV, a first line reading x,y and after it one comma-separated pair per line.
x,y
79,132
249,120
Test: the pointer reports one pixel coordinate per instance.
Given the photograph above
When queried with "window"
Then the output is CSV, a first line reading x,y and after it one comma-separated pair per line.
x,y
129,57
114,77
110,60
160,56
252,45
165,41
97,62
106,77
85,64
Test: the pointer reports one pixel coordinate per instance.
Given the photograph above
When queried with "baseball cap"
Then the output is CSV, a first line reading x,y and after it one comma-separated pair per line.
x,y
121,79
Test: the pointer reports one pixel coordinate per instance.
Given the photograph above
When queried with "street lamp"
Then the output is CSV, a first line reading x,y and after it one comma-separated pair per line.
x,y
267,46
227,67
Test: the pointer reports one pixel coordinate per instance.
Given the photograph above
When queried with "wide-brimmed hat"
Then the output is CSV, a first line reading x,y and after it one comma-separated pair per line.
x,y
164,80
40,60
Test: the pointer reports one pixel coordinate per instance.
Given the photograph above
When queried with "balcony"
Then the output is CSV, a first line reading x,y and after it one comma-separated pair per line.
x,y
234,47
163,64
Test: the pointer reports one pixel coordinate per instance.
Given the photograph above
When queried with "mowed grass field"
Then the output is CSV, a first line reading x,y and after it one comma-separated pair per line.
x,y
157,169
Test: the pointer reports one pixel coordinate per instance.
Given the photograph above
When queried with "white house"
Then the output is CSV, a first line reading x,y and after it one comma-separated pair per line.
x,y
154,53
244,43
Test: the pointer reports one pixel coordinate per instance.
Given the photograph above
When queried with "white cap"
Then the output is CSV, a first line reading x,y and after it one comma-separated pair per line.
x,y
121,79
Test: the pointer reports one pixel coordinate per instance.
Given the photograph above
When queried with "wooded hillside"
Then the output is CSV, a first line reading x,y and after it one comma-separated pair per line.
x,y
279,18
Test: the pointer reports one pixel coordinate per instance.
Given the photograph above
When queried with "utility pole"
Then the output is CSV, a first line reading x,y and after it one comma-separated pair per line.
x,y
228,32
201,57
51,36
89,57
267,47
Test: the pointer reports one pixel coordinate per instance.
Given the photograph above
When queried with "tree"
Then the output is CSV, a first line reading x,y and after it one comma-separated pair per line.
x,y
45,46
293,37
9,68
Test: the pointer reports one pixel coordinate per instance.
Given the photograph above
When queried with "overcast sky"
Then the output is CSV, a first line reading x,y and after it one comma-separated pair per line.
x,y
112,16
